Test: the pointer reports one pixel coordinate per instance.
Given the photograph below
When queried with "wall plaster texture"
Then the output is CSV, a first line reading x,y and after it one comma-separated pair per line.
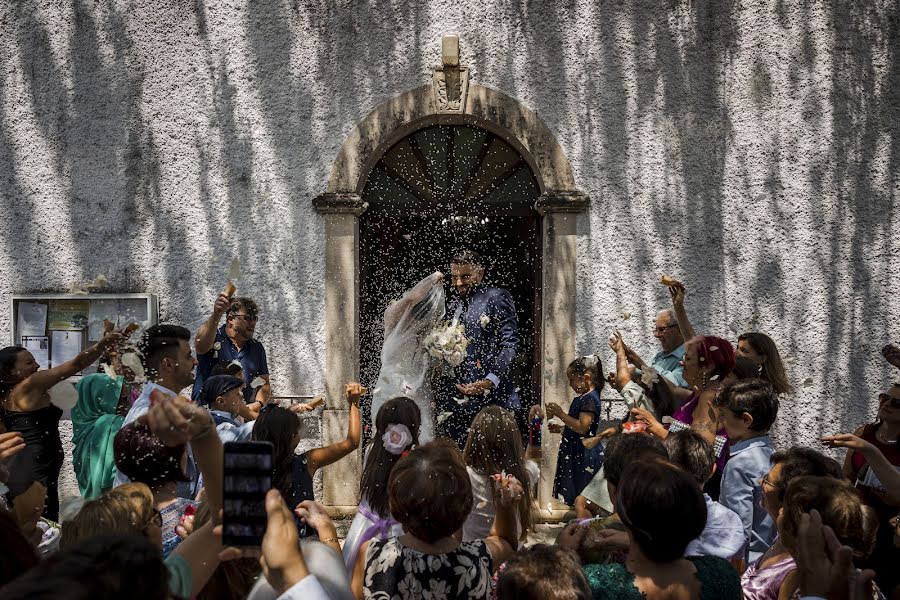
x,y
751,149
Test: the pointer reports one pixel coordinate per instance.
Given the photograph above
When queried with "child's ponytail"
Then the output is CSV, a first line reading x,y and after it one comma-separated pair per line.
x,y
589,364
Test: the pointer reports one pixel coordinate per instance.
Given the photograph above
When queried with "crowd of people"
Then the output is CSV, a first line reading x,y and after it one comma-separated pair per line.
x,y
686,497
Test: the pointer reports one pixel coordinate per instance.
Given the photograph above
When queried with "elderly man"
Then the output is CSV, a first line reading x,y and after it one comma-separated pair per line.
x,y
233,341
671,336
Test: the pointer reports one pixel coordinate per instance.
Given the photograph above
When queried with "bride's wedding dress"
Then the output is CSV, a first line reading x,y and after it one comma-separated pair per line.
x,y
405,371
405,364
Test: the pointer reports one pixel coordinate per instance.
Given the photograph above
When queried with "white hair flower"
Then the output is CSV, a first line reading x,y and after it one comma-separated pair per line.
x,y
396,438
484,320
590,361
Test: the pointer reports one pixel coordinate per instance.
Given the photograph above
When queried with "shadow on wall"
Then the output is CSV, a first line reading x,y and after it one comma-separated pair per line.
x,y
669,65
91,118
866,146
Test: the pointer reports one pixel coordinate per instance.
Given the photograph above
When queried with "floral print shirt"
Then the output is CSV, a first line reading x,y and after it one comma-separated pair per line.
x,y
396,572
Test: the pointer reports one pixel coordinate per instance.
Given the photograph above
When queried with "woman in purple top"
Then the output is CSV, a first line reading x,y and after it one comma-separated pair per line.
x,y
708,361
762,580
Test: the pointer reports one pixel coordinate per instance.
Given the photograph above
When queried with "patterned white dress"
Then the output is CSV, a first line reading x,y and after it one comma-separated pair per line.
x,y
396,572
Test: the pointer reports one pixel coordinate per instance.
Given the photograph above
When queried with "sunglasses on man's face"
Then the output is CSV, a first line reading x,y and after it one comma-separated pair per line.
x,y
887,398
248,318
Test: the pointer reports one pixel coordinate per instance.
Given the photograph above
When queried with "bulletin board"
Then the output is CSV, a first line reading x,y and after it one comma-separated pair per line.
x,y
56,327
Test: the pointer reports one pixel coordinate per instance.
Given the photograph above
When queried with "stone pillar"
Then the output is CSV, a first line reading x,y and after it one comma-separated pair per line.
x,y
560,212
341,212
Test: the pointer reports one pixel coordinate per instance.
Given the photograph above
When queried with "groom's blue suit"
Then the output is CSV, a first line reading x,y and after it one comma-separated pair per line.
x,y
492,344
489,317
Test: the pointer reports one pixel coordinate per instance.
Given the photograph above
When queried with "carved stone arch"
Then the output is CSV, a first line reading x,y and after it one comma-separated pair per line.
x,y
487,108
341,205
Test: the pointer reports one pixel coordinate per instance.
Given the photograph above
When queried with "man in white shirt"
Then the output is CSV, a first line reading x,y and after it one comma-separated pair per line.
x,y
169,367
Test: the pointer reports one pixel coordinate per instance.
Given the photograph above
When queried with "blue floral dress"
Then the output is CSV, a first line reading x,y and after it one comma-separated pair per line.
x,y
576,465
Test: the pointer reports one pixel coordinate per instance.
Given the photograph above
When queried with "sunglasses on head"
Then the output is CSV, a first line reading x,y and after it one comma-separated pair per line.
x,y
888,399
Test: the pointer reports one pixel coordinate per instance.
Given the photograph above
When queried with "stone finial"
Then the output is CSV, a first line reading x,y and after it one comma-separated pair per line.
x,y
450,50
450,81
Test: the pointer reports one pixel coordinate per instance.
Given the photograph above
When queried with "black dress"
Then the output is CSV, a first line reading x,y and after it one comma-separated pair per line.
x,y
42,458
301,489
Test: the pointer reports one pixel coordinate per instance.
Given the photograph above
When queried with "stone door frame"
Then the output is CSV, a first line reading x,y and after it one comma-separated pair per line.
x,y
559,204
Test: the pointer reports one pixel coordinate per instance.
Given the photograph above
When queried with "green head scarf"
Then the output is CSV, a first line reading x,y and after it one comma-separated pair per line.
x,y
95,425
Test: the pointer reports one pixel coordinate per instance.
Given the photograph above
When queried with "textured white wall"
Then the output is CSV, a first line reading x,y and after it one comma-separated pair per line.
x,y
751,149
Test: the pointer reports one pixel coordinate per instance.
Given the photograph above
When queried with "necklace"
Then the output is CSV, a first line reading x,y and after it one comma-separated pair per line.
x,y
881,439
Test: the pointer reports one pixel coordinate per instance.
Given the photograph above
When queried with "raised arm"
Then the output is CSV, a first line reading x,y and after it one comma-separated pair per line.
x,y
322,457
623,369
35,385
681,394
887,473
176,420
206,335
395,310
504,537
678,292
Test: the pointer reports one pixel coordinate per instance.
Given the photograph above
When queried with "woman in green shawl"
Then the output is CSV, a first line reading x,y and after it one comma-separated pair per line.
x,y
96,419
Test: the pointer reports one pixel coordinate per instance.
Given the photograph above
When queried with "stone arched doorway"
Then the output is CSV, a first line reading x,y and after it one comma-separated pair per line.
x,y
439,188
554,211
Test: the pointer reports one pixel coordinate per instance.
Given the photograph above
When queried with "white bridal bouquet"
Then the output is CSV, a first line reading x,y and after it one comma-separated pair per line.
x,y
448,342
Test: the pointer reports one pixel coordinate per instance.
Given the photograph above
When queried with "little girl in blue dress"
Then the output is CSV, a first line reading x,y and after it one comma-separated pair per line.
x,y
576,465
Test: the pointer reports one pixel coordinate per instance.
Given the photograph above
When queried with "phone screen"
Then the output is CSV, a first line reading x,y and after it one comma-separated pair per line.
x,y
248,477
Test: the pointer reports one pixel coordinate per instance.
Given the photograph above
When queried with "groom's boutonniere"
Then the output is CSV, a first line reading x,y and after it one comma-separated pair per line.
x,y
484,320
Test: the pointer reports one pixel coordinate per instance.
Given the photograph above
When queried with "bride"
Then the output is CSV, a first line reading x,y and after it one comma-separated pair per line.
x,y
405,364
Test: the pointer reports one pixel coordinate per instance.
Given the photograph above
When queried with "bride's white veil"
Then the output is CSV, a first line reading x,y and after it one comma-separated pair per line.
x,y
405,364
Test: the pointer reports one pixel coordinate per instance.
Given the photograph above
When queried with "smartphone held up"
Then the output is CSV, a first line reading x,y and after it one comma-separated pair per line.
x,y
248,477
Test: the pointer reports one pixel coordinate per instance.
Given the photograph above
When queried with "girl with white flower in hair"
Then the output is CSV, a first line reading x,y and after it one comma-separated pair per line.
x,y
397,431
430,494
576,464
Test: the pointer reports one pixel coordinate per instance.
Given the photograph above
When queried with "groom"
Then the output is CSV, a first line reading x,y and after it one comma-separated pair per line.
x,y
489,317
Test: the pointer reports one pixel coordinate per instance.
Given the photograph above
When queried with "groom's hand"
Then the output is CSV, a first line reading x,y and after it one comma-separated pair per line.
x,y
476,388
